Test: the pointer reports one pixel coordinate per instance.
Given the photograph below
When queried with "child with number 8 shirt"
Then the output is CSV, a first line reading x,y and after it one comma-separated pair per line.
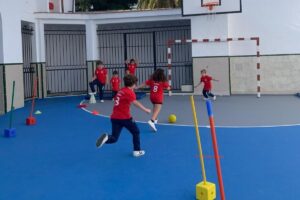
x,y
157,83
121,116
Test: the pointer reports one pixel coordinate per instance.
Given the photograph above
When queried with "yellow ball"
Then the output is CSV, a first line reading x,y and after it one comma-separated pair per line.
x,y
172,118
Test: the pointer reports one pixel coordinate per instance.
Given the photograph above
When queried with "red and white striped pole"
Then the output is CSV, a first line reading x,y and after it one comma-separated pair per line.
x,y
169,56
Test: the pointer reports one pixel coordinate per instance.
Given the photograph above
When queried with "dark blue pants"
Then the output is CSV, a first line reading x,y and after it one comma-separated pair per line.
x,y
130,125
207,93
99,85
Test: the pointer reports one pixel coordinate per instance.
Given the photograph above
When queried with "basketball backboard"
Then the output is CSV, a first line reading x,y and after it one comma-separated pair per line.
x,y
196,7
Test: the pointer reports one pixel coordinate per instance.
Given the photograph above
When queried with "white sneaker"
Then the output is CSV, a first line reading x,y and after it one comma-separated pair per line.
x,y
155,121
152,125
101,140
138,153
102,101
215,98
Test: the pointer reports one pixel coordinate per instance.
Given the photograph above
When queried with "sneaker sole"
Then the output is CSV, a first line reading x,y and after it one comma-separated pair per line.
x,y
100,141
154,129
139,155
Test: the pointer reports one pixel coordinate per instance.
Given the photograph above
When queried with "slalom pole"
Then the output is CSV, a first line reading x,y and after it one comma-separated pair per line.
x,y
204,190
215,147
11,132
31,120
12,105
198,139
33,97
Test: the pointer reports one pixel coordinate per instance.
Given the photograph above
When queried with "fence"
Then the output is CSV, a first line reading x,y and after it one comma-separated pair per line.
x,y
66,71
147,42
28,70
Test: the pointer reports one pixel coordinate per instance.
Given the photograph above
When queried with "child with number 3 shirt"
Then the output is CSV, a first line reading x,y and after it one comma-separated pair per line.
x,y
121,117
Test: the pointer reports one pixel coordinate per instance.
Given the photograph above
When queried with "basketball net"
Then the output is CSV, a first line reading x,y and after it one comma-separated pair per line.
x,y
210,6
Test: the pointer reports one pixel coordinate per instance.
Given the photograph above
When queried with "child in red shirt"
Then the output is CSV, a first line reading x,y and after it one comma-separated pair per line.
x,y
115,83
131,66
99,79
121,117
206,80
157,83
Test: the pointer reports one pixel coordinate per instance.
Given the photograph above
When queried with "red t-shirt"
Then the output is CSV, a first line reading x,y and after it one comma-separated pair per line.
x,y
122,101
115,83
101,74
131,68
157,90
207,82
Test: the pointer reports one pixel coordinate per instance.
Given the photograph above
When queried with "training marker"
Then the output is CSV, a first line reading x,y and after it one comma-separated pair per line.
x,y
215,147
31,120
204,190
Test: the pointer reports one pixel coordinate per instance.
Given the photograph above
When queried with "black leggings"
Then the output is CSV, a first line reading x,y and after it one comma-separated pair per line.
x,y
100,86
130,125
207,93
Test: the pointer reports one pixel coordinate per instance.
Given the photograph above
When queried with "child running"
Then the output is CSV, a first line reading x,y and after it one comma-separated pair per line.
x,y
157,83
115,83
206,80
131,66
121,117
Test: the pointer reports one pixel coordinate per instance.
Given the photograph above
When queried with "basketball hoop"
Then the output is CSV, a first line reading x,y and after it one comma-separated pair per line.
x,y
210,5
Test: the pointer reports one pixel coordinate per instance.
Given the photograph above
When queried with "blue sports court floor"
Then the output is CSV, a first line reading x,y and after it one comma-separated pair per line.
x,y
57,158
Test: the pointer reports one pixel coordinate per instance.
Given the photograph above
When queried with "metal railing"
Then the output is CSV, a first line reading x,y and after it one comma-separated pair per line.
x,y
66,80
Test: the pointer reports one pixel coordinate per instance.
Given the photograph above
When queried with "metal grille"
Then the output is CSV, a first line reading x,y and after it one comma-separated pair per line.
x,y
66,70
28,70
147,42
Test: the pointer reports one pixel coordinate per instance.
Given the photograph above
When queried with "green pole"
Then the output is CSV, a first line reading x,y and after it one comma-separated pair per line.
x,y
12,105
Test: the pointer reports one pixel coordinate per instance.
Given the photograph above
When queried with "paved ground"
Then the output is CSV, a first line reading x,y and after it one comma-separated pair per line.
x,y
245,110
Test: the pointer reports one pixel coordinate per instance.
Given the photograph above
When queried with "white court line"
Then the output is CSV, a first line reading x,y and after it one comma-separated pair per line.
x,y
207,126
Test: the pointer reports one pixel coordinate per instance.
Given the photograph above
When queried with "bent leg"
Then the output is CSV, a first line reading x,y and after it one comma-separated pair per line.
x,y
131,126
116,131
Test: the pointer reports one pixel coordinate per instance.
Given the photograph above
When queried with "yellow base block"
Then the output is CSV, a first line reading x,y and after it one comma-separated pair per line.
x,y
205,191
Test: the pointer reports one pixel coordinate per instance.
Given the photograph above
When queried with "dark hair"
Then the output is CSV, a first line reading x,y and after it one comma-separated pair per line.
x,y
115,72
132,60
130,80
99,63
203,71
159,76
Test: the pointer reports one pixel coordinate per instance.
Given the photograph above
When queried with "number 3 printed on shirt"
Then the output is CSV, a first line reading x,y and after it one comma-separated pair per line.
x,y
117,101
155,88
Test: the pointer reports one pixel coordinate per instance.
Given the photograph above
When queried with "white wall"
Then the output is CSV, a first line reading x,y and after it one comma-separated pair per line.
x,y
13,12
277,23
209,27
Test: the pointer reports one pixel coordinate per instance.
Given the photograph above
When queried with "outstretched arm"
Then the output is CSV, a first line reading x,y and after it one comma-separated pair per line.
x,y
140,106
141,86
198,84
